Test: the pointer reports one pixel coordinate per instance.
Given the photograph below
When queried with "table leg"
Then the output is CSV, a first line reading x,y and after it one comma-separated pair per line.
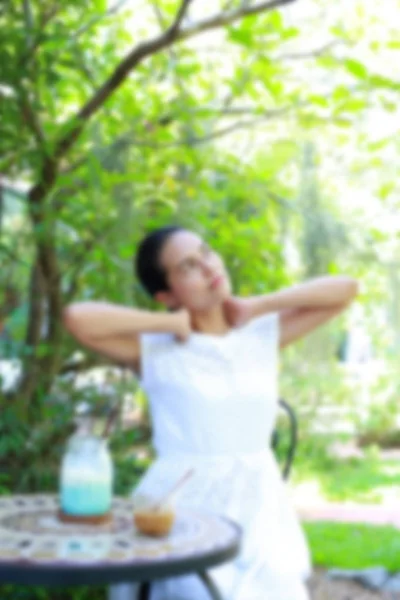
x,y
210,585
124,591
144,591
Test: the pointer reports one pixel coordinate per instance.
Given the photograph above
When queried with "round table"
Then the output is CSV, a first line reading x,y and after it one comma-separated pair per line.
x,y
37,549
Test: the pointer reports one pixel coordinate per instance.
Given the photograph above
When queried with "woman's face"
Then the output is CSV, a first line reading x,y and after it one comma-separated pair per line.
x,y
196,275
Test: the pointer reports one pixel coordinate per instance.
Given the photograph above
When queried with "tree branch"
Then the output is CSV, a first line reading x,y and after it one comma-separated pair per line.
x,y
70,168
173,30
233,111
48,14
111,11
122,142
172,35
127,139
1,213
82,365
227,18
309,53
31,120
29,22
230,129
47,262
47,178
36,295
194,141
32,339
44,20
284,202
87,26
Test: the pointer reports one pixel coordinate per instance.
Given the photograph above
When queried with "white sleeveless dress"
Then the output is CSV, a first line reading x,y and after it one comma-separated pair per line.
x,y
213,401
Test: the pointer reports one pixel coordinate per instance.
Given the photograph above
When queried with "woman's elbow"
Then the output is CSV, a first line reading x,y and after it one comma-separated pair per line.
x,y
72,319
351,291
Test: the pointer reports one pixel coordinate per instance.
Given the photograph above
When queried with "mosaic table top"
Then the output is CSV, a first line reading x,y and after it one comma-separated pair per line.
x,y
31,533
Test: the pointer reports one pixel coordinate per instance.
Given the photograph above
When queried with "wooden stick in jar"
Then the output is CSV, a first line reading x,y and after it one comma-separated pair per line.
x,y
163,500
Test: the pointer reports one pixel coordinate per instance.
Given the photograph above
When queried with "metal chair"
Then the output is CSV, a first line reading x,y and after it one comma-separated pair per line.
x,y
293,438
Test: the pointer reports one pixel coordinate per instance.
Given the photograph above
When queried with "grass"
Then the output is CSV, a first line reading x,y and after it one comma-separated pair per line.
x,y
371,478
368,479
21,592
350,546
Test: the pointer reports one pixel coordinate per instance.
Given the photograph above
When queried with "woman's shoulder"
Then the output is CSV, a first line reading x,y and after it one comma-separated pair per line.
x,y
264,328
149,340
268,322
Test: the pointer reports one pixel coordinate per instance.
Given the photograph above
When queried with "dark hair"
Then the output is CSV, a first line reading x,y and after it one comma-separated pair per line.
x,y
147,263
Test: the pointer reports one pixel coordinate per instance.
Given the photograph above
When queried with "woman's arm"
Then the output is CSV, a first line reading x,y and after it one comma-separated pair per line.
x,y
297,323
302,308
114,330
322,292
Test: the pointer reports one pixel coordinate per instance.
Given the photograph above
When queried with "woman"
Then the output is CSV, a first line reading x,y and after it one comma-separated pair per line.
x,y
209,365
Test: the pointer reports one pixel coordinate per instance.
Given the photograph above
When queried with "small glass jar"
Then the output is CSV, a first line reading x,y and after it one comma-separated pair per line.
x,y
86,481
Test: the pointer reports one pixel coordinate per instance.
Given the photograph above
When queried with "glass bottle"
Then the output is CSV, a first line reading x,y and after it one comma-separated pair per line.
x,y
86,479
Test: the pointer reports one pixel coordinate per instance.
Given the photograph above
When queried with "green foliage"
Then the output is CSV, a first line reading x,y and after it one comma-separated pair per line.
x,y
154,153
365,479
380,423
316,387
352,546
22,592
138,163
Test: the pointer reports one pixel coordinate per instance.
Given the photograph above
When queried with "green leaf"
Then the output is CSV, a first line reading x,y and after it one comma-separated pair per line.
x,y
290,33
386,189
322,101
242,36
383,82
357,68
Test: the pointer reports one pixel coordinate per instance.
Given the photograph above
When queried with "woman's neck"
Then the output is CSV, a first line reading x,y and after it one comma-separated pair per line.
x,y
212,321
